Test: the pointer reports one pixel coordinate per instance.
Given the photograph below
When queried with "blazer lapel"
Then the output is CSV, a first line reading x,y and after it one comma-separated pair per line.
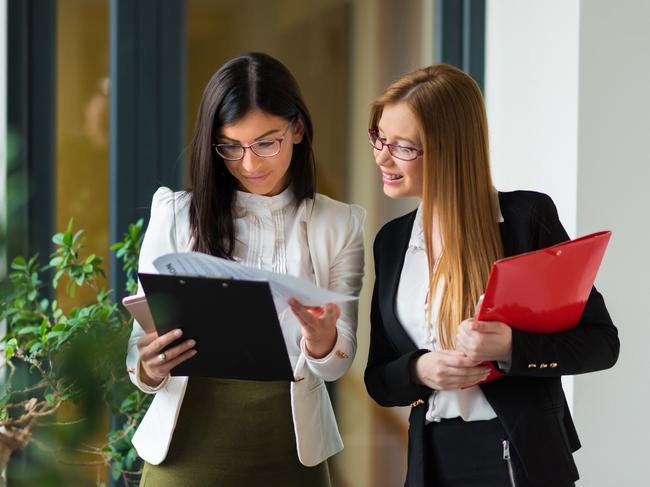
x,y
392,273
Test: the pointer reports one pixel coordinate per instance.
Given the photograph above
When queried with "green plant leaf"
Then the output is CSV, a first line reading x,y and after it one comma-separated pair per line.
x,y
67,238
19,264
29,329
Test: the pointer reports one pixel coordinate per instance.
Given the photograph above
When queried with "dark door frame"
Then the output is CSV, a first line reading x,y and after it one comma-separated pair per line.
x,y
460,36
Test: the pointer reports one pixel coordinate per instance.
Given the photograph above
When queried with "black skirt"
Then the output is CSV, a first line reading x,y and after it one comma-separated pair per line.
x,y
469,454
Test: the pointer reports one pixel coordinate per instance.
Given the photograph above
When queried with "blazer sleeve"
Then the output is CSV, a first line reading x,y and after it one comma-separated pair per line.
x,y
590,346
345,277
159,239
388,372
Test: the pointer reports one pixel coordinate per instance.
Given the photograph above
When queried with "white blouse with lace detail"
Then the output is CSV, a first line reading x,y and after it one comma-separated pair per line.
x,y
271,234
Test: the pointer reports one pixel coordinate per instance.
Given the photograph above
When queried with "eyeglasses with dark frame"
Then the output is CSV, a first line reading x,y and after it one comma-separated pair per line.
x,y
401,152
261,148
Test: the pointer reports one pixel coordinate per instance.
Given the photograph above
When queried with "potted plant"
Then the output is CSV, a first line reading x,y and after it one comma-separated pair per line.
x,y
55,355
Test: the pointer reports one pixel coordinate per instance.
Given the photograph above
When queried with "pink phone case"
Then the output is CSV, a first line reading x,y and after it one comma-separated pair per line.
x,y
139,309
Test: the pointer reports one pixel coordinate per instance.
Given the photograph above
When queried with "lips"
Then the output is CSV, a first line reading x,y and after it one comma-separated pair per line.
x,y
256,178
389,178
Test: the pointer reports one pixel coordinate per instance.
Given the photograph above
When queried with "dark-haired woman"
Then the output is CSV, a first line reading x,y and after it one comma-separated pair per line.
x,y
430,140
252,199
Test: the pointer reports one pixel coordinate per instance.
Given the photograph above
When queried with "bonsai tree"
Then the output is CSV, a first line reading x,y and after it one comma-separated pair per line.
x,y
53,356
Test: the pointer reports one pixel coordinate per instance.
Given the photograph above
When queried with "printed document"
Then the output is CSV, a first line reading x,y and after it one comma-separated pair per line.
x,y
283,287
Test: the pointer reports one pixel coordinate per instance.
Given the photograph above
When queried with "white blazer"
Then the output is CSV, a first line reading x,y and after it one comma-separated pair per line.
x,y
335,237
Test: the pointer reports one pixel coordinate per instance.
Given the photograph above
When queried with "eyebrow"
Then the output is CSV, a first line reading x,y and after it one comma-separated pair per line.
x,y
405,139
265,134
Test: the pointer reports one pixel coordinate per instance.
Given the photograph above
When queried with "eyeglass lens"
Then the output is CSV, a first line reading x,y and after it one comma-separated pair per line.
x,y
263,148
401,152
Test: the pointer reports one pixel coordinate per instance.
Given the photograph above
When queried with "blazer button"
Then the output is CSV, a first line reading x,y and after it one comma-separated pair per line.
x,y
532,366
341,354
543,366
417,403
552,365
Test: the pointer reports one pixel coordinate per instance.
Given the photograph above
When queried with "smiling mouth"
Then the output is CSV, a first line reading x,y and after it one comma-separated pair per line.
x,y
391,177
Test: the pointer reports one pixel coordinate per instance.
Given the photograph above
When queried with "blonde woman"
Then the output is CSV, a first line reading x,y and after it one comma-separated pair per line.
x,y
429,137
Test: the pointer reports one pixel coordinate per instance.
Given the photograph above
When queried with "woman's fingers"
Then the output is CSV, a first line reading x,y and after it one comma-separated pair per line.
x,y
318,326
485,340
445,371
303,314
156,363
172,353
315,316
155,347
457,359
147,339
178,360
158,366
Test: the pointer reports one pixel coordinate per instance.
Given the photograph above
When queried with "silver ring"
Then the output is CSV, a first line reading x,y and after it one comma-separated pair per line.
x,y
161,357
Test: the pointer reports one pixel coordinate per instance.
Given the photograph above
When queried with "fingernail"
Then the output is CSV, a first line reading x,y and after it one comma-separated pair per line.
x,y
191,343
194,352
178,332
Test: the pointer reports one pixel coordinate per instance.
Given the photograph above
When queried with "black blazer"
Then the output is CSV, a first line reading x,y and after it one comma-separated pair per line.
x,y
529,401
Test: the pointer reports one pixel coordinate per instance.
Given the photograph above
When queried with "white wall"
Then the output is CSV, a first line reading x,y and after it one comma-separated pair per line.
x,y
613,192
531,87
567,87
531,80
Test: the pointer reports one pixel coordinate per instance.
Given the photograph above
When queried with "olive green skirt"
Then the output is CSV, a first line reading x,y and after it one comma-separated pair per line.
x,y
234,433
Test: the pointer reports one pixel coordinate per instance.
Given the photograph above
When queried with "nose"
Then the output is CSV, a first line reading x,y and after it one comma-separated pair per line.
x,y
383,157
251,161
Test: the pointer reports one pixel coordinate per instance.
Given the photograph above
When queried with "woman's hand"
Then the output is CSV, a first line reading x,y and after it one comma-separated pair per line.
x,y
485,340
447,370
156,364
318,326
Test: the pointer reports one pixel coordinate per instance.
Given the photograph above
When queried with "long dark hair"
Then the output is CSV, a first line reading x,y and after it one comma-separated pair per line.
x,y
250,81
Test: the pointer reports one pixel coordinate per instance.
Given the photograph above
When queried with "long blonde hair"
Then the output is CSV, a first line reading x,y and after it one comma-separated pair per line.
x,y
457,186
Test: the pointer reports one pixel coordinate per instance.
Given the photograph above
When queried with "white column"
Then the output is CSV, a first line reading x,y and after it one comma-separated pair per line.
x,y
567,86
531,85
613,192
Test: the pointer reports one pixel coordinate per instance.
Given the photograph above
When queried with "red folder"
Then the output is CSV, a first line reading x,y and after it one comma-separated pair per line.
x,y
544,291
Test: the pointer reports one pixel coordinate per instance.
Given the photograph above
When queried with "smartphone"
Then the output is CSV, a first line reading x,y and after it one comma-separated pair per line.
x,y
139,309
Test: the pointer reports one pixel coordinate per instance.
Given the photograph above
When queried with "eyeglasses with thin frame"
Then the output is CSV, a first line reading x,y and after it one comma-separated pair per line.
x,y
262,148
401,152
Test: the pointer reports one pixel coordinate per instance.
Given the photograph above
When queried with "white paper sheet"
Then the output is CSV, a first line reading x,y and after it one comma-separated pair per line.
x,y
283,287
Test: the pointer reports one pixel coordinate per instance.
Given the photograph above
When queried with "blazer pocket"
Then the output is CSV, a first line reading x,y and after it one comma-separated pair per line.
x,y
554,395
553,409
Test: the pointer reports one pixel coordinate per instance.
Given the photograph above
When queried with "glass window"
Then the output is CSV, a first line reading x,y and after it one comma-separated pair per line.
x,y
82,86
310,38
82,162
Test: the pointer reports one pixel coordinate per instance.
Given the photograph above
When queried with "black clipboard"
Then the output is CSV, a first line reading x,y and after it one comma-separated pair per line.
x,y
235,325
